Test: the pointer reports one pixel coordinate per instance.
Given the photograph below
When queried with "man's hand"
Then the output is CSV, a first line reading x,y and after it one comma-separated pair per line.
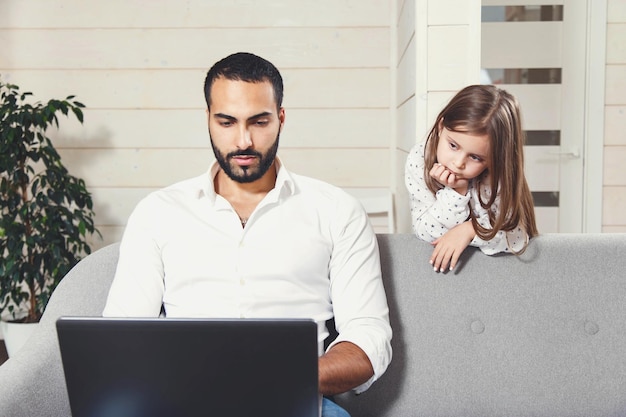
x,y
343,367
449,247
447,178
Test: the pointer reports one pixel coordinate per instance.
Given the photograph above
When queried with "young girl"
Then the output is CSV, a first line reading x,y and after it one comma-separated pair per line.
x,y
466,181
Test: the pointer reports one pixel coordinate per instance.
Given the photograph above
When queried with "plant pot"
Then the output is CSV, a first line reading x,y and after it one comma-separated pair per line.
x,y
16,335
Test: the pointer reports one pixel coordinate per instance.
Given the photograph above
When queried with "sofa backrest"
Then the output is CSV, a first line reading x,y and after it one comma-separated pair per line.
x,y
32,382
542,334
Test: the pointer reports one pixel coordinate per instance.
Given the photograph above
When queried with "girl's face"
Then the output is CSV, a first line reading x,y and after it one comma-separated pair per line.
x,y
465,155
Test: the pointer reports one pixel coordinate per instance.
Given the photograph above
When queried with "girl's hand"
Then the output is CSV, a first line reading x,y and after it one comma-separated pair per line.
x,y
447,178
449,247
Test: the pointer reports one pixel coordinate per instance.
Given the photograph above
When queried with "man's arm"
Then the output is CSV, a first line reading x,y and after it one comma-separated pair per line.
x,y
359,304
343,367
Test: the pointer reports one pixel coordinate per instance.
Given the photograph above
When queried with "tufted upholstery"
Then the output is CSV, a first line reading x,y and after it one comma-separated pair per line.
x,y
543,334
539,335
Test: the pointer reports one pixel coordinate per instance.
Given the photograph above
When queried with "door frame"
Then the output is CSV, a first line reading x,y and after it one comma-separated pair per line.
x,y
594,116
580,208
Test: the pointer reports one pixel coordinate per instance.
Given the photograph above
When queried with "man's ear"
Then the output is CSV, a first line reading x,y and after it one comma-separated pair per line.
x,y
281,117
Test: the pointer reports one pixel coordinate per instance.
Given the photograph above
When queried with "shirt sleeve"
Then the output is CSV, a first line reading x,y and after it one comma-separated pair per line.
x,y
432,215
357,293
138,285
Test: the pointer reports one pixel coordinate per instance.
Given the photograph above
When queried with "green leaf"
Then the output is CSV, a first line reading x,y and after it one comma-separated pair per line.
x,y
46,214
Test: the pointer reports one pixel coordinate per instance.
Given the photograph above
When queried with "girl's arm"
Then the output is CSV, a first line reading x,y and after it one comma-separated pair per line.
x,y
432,215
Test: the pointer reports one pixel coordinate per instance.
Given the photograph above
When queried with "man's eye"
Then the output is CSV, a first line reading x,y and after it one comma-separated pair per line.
x,y
226,123
261,122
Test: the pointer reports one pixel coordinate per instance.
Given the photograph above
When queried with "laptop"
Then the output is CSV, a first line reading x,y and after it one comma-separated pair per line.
x,y
190,367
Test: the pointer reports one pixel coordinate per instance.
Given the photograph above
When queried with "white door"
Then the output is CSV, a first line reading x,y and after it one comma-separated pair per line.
x,y
536,50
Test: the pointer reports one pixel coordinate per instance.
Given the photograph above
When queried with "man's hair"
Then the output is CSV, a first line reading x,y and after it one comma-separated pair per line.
x,y
244,66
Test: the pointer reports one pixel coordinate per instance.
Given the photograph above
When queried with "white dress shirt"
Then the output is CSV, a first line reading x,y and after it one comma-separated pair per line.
x,y
307,251
434,214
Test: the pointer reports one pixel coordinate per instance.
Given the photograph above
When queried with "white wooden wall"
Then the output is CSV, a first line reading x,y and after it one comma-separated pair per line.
x,y
139,67
614,178
438,53
364,80
407,72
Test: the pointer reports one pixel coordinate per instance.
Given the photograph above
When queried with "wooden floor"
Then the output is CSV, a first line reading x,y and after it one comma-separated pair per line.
x,y
3,353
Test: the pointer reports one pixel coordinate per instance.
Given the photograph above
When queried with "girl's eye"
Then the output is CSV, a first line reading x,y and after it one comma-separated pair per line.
x,y
453,145
476,158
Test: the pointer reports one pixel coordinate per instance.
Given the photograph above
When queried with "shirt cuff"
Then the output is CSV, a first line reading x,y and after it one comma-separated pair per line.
x,y
378,353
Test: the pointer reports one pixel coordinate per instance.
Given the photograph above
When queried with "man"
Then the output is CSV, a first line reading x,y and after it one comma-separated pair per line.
x,y
251,239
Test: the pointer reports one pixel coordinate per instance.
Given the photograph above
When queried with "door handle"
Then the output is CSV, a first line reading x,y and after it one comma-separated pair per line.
x,y
573,153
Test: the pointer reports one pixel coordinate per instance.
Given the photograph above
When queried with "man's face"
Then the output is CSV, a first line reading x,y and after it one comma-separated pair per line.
x,y
244,126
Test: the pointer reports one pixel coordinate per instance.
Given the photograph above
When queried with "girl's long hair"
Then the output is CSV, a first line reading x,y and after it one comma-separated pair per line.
x,y
488,110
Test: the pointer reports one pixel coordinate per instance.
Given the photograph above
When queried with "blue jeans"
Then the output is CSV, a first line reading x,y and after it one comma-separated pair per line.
x,y
330,409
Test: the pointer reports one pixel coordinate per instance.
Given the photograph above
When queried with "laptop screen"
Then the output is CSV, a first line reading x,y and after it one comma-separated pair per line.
x,y
190,367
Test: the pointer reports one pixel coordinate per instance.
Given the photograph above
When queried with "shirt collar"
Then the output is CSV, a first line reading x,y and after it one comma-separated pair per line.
x,y
285,184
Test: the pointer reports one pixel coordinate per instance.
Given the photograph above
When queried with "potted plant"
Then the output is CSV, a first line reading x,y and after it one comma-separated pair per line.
x,y
46,214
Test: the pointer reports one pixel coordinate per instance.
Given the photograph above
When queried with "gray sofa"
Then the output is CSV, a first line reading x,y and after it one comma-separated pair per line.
x,y
543,334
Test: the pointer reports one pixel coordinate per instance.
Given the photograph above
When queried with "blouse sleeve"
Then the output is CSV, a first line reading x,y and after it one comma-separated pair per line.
x,y
432,215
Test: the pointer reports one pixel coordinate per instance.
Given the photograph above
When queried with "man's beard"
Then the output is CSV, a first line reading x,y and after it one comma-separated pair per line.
x,y
246,174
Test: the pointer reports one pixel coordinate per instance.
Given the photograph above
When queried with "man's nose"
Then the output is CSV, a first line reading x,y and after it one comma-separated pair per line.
x,y
244,141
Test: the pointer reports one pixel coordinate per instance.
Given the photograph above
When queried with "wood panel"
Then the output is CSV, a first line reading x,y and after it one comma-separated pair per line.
x,y
405,75
615,45
450,12
113,205
615,84
182,89
136,167
614,205
615,125
161,48
161,167
401,196
191,13
614,157
437,100
450,57
616,11
613,229
342,167
406,26
139,68
336,128
187,128
407,127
